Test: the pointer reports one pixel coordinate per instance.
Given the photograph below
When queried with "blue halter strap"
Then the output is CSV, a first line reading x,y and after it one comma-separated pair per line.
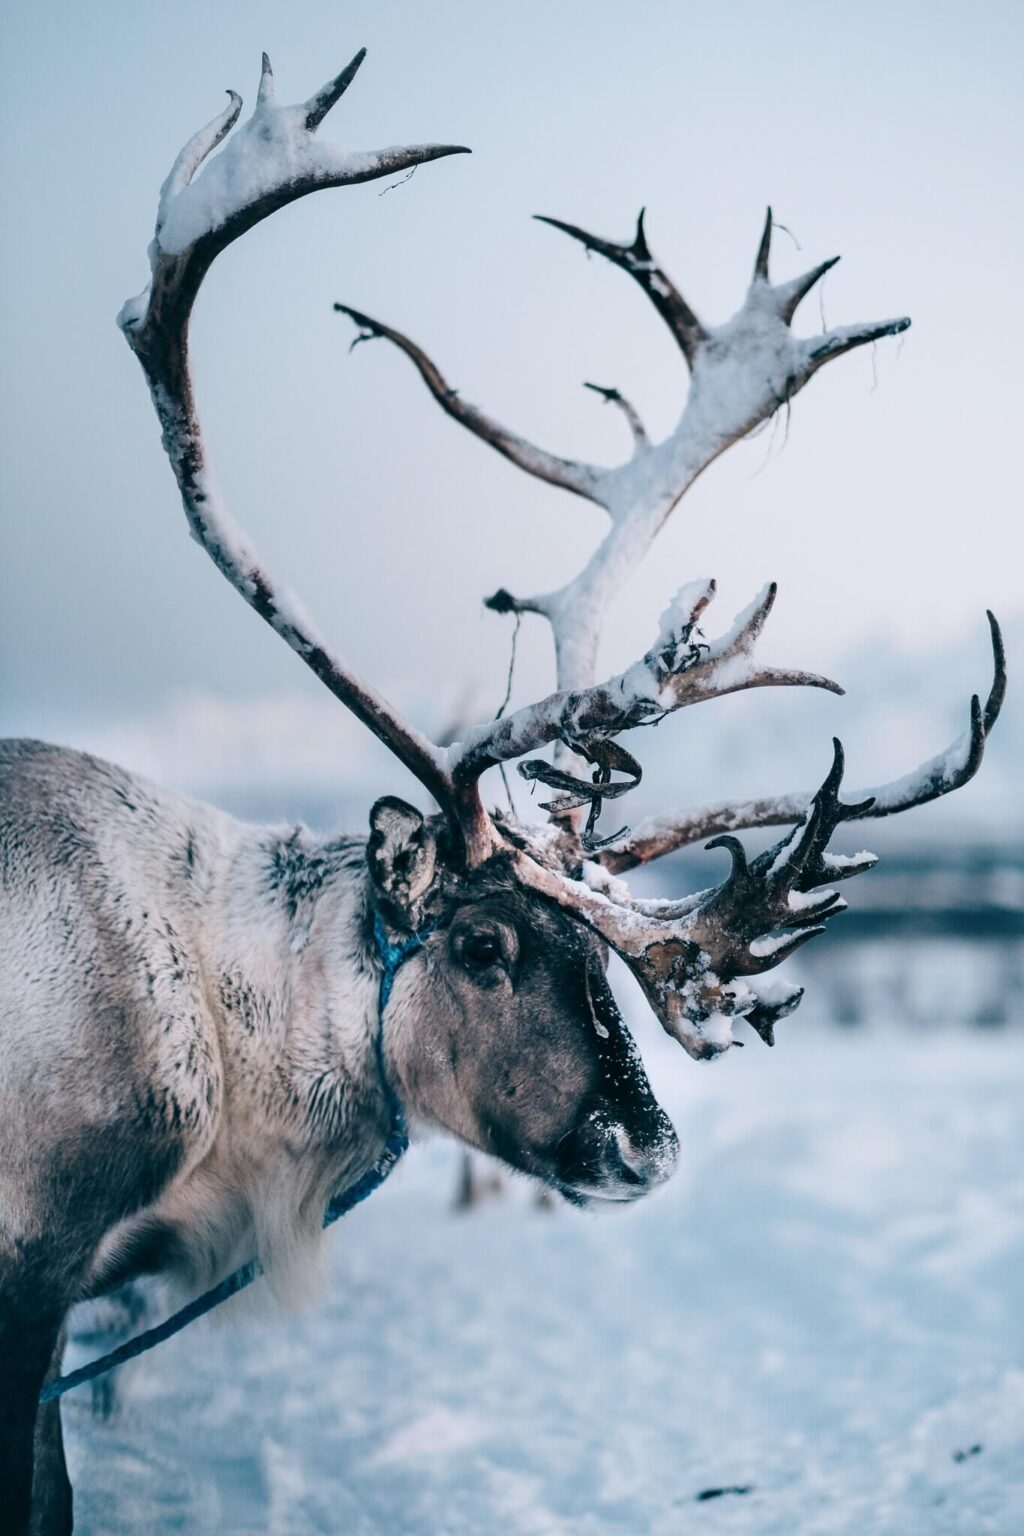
x,y
391,957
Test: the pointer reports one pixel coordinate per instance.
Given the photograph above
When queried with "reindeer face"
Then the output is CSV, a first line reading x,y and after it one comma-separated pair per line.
x,y
508,1035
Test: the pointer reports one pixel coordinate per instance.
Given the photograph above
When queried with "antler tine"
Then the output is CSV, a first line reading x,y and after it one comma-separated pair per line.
x,y
767,1011
640,249
824,349
764,249
265,94
749,624
273,160
736,852
801,850
940,775
191,157
582,479
612,396
788,296
959,763
636,259
321,102
997,692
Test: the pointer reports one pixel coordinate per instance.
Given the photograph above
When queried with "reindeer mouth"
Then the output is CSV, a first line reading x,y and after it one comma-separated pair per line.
x,y
599,1199
603,1166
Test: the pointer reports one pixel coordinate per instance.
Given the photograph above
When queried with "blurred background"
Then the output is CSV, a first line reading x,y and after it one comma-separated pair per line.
x,y
888,512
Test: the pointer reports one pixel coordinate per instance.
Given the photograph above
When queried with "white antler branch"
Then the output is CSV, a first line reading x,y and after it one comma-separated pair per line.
x,y
694,958
742,372
677,671
272,160
583,479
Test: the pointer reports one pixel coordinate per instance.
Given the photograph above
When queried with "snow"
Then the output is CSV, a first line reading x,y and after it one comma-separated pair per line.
x,y
742,622
941,769
799,901
679,615
786,848
847,860
771,943
713,1029
271,150
775,991
194,153
823,1307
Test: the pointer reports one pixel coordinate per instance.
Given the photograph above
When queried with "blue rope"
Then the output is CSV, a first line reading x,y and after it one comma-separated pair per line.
x,y
391,956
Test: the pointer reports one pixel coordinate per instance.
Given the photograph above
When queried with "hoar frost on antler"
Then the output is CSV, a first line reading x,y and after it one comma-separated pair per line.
x,y
694,957
741,373
676,671
275,158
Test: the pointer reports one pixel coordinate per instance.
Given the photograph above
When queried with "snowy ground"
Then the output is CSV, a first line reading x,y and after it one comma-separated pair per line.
x,y
825,1308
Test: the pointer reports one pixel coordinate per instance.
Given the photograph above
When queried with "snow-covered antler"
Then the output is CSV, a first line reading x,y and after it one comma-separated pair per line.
x,y
742,372
940,775
675,672
273,159
693,958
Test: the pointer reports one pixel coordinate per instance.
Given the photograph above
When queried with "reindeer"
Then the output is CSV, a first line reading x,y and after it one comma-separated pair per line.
x,y
197,1055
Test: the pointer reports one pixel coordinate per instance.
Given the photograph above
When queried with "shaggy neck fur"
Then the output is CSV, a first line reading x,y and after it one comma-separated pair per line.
x,y
281,928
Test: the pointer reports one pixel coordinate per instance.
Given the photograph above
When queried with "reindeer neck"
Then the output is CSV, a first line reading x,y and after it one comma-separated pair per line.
x,y
289,968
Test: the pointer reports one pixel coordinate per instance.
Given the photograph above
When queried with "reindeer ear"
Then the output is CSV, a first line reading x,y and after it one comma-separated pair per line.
x,y
402,859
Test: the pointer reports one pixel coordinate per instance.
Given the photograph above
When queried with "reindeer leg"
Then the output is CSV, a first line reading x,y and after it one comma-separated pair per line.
x,y
29,1336
51,1487
467,1190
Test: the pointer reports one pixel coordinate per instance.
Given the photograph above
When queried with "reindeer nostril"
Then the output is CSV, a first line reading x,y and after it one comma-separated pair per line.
x,y
630,1163
600,1156
647,1164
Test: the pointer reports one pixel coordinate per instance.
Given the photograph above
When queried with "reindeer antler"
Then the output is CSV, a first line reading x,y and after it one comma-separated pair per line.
x,y
675,672
274,158
940,775
691,957
742,372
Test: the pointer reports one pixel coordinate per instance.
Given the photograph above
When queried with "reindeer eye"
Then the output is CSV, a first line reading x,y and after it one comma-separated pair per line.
x,y
480,950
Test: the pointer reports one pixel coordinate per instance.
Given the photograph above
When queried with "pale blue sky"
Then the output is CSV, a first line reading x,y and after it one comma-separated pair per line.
x,y
887,132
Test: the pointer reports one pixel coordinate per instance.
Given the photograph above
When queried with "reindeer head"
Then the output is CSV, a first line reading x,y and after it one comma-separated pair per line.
x,y
503,1029
525,1052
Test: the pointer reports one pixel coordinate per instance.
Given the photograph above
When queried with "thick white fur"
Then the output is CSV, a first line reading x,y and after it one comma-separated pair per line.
x,y
167,951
